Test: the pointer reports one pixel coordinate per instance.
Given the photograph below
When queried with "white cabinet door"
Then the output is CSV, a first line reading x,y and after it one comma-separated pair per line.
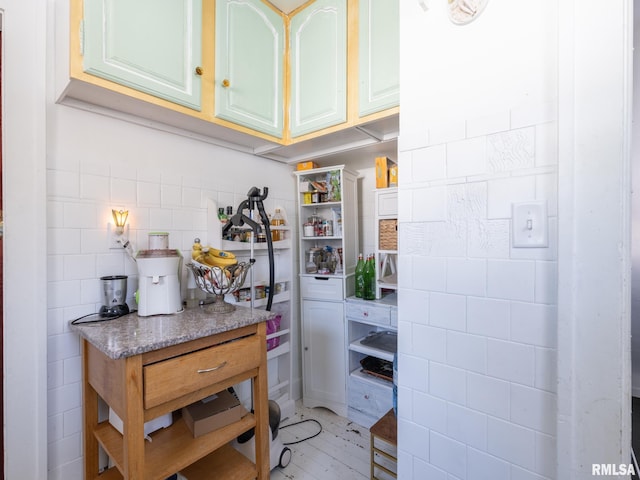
x,y
323,356
150,48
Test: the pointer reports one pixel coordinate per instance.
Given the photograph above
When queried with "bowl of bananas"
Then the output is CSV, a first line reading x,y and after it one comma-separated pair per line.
x,y
218,273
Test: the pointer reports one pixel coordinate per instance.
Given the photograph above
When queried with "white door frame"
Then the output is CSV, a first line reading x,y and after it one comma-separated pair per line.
x,y
594,257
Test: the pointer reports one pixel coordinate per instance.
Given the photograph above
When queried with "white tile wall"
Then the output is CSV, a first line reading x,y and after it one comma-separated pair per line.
x,y
489,339
168,196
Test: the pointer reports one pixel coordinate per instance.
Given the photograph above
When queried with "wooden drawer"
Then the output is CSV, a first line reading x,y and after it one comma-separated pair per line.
x,y
368,313
173,378
322,288
368,397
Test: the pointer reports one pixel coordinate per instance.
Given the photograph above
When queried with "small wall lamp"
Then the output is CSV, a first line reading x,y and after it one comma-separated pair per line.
x,y
120,220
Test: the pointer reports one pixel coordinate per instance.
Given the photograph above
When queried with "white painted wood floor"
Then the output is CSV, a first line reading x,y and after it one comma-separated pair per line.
x,y
340,452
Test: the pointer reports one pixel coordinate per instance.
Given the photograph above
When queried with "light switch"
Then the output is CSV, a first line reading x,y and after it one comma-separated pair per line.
x,y
529,224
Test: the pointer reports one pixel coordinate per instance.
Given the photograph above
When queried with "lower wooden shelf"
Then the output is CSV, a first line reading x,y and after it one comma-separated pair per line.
x,y
174,448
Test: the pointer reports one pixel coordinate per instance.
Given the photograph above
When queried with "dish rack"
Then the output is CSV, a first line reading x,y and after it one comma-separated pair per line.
x,y
219,281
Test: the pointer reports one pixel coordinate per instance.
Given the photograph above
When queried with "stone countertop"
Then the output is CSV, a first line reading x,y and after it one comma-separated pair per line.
x,y
131,334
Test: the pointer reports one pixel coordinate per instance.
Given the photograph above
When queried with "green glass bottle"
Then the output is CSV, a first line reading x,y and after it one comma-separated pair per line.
x,y
359,276
369,291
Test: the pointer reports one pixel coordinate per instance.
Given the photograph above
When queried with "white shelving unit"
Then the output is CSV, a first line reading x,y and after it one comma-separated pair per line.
x,y
329,195
386,216
279,358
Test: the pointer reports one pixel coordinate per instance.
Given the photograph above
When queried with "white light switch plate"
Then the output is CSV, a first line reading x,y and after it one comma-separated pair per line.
x,y
530,225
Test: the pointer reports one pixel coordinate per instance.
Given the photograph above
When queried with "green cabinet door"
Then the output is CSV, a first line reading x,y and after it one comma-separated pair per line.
x,y
318,48
249,65
149,45
379,49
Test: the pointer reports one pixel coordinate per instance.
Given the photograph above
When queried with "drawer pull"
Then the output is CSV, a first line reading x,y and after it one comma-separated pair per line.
x,y
321,278
206,370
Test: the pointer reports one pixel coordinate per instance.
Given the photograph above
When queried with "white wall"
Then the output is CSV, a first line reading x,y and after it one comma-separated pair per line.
x,y
477,317
635,326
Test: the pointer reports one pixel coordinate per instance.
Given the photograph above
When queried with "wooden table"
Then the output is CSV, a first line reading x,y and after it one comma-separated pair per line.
x,y
141,387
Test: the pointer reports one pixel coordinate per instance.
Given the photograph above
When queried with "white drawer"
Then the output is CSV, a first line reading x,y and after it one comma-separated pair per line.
x,y
369,397
388,203
322,288
368,312
394,317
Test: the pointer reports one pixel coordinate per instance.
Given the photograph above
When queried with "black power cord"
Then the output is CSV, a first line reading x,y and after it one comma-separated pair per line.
x,y
304,439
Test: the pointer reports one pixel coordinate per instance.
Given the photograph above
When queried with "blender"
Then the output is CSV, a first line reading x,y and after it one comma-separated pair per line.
x,y
114,294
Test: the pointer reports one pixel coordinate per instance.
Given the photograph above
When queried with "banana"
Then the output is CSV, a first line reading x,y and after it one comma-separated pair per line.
x,y
211,256
211,260
220,253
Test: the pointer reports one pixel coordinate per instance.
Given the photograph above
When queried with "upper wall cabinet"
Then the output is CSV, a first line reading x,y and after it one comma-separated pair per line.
x,y
249,62
318,66
161,56
379,48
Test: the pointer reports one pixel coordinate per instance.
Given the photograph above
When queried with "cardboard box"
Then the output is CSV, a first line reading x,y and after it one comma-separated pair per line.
x,y
383,164
306,165
213,412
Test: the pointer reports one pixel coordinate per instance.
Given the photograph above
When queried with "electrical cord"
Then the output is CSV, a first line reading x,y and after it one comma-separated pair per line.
x,y
98,320
304,439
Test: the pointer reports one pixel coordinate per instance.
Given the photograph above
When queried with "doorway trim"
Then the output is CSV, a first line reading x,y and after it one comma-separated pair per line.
x,y
594,257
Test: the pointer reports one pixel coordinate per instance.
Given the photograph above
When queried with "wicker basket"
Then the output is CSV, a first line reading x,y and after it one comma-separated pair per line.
x,y
388,231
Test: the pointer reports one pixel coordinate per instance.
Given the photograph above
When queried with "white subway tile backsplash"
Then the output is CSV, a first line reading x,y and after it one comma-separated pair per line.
x,y
488,317
419,449
415,301
503,192
489,238
72,369
534,323
467,426
488,124
448,383
489,395
511,361
79,267
425,470
63,184
547,189
533,408
62,294
55,427
55,374
447,311
415,372
64,398
448,454
123,192
467,351
518,473
429,412
63,241
546,144
511,280
149,175
546,282
511,150
192,197
429,164
466,201
109,264
429,204
482,466
94,187
429,273
412,140
160,219
445,132
546,448
73,422
66,449
511,442
149,194
429,342
80,215
444,239
467,157
533,114
467,276
171,195
545,377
